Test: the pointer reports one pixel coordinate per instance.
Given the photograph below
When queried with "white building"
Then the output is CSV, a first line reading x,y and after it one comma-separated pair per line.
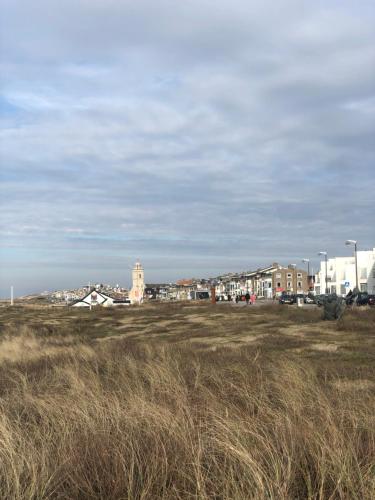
x,y
96,298
93,298
342,276
263,281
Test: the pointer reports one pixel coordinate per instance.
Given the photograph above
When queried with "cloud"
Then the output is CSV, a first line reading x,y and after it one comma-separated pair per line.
x,y
201,136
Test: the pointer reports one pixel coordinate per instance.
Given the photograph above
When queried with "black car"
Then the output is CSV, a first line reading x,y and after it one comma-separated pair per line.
x,y
320,299
301,296
360,299
309,299
287,299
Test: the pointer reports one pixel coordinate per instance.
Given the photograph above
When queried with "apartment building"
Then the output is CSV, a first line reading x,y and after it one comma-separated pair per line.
x,y
341,274
274,280
262,281
289,279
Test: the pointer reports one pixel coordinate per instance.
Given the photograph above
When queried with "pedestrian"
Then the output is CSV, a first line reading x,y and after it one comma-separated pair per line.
x,y
247,298
253,298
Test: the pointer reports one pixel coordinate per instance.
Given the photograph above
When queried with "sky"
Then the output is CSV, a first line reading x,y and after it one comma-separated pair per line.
x,y
197,136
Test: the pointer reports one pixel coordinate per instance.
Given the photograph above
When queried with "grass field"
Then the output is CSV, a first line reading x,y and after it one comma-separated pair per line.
x,y
185,400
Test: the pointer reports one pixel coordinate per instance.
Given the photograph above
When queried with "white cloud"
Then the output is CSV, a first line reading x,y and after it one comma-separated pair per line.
x,y
186,129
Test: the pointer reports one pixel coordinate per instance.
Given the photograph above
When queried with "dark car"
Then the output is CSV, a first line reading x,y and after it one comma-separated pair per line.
x,y
309,299
360,299
287,299
301,296
320,299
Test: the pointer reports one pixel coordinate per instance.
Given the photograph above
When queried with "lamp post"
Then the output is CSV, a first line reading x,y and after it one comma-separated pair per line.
x,y
325,258
307,261
353,242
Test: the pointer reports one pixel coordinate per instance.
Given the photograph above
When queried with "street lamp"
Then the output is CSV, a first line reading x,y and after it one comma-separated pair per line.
x,y
325,258
353,242
307,261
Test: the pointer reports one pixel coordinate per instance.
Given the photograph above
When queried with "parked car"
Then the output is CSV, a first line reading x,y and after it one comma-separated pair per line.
x,y
309,299
287,299
301,296
320,299
360,299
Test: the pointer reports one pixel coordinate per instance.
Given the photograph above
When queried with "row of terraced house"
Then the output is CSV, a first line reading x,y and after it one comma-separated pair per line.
x,y
268,282
338,275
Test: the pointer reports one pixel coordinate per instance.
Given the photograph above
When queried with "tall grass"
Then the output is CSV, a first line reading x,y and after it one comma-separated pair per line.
x,y
122,420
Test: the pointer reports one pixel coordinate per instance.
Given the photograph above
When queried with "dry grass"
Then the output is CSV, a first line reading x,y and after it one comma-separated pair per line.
x,y
145,420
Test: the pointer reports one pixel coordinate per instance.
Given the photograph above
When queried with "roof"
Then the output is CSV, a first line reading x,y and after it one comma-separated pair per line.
x,y
184,282
82,299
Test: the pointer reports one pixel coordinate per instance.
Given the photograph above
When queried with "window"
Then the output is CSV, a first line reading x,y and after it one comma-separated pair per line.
x,y
278,275
289,284
299,275
317,289
363,287
278,284
289,275
269,285
300,284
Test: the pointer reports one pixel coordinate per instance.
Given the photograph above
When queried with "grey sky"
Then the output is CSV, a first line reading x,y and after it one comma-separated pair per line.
x,y
198,136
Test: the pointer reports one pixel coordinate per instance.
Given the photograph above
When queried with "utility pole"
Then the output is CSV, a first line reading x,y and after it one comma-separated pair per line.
x,y
326,261
294,278
308,273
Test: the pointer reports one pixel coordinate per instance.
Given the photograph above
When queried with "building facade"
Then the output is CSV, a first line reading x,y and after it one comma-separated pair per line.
x,y
267,282
341,274
274,280
290,280
96,298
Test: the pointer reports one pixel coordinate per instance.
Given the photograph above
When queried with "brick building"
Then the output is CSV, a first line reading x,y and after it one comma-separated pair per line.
x,y
289,279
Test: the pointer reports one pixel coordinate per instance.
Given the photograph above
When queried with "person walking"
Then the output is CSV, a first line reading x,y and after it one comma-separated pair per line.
x,y
253,298
247,298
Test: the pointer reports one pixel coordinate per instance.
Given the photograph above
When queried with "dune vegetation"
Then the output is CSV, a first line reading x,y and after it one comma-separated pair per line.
x,y
118,416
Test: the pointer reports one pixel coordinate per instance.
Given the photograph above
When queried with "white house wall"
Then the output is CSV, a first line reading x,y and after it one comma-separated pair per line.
x,y
342,275
81,304
100,299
